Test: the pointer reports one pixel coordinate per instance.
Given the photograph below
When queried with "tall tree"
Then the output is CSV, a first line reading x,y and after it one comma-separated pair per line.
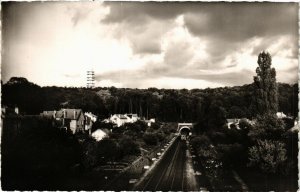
x,y
265,100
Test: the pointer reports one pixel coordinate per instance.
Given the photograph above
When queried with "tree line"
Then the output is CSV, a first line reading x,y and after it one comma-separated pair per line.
x,y
208,106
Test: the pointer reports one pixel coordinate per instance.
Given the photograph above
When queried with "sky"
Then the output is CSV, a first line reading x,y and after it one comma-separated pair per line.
x,y
147,44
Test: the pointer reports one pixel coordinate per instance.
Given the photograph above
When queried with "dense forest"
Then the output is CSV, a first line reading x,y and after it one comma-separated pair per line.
x,y
167,105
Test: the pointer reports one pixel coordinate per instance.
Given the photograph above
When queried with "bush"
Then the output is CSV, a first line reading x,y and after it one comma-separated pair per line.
x,y
150,139
137,127
244,124
231,154
101,125
267,127
268,156
89,153
160,136
155,125
108,150
200,141
128,147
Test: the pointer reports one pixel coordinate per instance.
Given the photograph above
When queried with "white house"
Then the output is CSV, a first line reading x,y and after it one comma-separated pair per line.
x,y
121,119
99,134
90,119
150,121
132,118
280,115
118,119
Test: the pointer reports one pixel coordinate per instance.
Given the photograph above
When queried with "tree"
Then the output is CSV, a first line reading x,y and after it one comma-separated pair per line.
x,y
129,146
108,150
269,156
150,139
265,98
19,92
267,127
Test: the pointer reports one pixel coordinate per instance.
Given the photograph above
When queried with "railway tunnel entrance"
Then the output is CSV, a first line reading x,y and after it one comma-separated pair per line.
x,y
184,130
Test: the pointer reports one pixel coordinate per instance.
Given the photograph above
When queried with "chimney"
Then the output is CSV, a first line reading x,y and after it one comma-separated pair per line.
x,y
75,114
54,113
65,113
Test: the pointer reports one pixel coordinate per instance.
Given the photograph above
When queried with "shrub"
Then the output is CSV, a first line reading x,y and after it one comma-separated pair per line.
x,y
231,153
267,127
128,146
268,156
200,141
155,125
150,139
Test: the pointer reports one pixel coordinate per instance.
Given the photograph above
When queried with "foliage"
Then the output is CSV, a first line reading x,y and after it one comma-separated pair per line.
x,y
150,139
155,125
207,107
245,125
23,94
137,127
29,148
101,125
231,154
200,141
267,127
269,156
128,146
89,153
265,99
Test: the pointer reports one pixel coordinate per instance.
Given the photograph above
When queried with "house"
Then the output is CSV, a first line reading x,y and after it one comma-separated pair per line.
x,y
121,119
100,134
233,122
69,119
73,119
150,121
90,119
280,115
118,119
132,118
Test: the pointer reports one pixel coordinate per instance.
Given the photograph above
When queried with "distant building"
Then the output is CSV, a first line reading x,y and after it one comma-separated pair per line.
x,y
233,122
121,119
132,118
90,119
73,119
280,115
100,134
70,119
150,121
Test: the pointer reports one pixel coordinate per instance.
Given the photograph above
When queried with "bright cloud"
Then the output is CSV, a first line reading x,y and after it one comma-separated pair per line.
x,y
150,44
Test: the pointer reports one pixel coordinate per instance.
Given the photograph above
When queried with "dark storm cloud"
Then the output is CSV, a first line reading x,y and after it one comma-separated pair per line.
x,y
229,25
232,21
240,21
226,25
138,12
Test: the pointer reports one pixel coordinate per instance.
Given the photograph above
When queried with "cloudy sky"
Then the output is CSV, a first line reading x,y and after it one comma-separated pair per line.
x,y
141,45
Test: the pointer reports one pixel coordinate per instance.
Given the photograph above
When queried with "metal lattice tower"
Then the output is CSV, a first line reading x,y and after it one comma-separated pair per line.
x,y
90,79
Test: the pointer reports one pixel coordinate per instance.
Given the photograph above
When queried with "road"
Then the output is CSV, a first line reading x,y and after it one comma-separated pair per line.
x,y
170,173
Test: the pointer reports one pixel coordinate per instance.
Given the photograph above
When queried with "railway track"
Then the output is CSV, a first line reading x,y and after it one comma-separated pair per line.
x,y
169,174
